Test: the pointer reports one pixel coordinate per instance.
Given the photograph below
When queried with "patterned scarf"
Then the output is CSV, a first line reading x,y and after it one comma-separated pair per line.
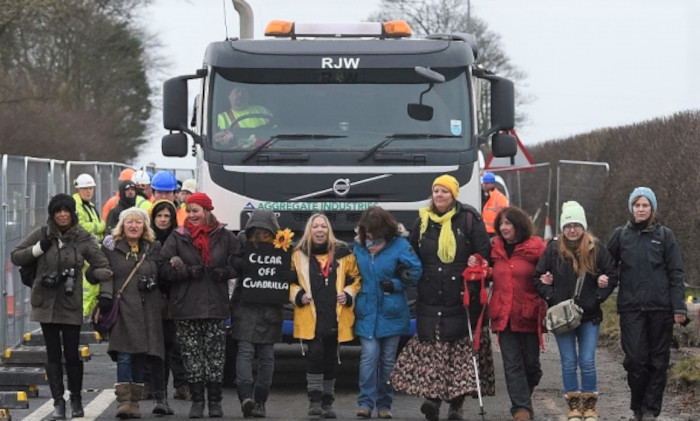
x,y
447,245
200,239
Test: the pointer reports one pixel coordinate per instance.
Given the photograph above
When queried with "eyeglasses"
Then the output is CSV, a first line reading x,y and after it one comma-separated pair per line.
x,y
572,227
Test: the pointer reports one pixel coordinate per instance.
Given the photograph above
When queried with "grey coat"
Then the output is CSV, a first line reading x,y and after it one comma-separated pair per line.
x,y
69,249
206,297
139,327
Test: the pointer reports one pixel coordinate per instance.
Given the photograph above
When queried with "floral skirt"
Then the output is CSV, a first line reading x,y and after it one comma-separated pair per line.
x,y
445,370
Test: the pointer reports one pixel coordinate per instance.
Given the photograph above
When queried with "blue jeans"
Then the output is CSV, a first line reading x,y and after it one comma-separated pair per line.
x,y
244,364
130,367
587,337
377,359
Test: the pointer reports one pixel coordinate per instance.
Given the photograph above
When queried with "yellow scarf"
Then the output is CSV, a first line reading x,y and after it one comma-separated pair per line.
x,y
447,245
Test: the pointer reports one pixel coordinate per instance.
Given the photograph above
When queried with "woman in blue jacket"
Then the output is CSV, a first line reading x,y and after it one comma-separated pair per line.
x,y
388,266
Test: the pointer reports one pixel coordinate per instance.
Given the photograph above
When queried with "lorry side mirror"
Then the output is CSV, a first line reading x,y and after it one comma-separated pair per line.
x,y
503,145
175,104
420,112
502,103
174,144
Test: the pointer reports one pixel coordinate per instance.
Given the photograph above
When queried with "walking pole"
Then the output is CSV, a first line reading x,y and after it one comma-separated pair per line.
x,y
482,412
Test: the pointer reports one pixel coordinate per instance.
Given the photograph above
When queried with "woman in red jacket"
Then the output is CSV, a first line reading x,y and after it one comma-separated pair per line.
x,y
516,309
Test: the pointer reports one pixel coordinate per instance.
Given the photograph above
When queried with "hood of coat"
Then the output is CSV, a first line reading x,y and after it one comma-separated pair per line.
x,y
261,218
530,249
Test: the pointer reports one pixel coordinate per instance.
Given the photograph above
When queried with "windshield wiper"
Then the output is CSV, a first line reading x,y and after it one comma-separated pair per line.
x,y
275,138
403,136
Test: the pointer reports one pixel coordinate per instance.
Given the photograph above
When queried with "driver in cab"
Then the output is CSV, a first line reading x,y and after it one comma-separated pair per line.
x,y
240,115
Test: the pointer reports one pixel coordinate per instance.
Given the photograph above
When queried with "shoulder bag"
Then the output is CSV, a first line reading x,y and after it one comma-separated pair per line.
x,y
566,316
104,322
27,273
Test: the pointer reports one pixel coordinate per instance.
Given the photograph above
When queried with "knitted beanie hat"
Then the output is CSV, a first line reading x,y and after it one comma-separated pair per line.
x,y
60,202
449,182
572,213
642,192
201,199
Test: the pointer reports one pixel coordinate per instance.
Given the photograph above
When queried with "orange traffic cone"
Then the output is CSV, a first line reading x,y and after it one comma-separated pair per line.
x,y
547,229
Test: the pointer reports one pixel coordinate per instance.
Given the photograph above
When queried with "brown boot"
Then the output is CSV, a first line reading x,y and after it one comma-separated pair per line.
x,y
590,406
574,401
137,391
123,392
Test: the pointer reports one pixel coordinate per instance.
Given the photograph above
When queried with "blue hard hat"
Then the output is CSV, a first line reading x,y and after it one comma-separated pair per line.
x,y
488,178
164,181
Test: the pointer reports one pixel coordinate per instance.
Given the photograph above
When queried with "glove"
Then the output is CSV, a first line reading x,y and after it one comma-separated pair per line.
x,y
105,304
108,242
177,263
220,274
195,271
402,272
44,244
387,286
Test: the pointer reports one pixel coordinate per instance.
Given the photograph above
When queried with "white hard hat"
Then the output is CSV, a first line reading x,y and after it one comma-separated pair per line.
x,y
140,177
189,185
83,181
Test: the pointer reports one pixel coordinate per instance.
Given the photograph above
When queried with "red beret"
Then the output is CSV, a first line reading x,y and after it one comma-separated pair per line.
x,y
201,199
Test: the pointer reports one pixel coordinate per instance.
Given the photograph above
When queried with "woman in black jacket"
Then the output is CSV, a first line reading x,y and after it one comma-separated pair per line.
x,y
565,259
650,300
197,262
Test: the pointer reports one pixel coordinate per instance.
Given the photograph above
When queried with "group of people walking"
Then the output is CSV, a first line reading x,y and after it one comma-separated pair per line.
x,y
187,278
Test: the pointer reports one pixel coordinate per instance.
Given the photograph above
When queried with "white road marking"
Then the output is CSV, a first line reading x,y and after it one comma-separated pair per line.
x,y
94,409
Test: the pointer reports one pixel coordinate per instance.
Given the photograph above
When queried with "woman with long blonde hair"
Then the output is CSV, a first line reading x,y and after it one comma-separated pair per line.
x,y
577,253
323,295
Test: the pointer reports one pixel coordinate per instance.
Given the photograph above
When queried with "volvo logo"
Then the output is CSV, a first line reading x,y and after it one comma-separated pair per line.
x,y
341,186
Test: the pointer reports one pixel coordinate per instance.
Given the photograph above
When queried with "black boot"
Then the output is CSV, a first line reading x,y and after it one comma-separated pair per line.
x,y
431,409
160,404
54,374
455,412
260,399
74,373
76,406
315,398
197,392
214,398
327,406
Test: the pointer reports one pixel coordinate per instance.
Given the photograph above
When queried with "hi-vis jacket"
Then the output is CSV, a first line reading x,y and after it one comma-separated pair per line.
x,y
346,275
224,120
88,217
496,202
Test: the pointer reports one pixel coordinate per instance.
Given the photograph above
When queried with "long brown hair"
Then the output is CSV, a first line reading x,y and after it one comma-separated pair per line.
x,y
584,256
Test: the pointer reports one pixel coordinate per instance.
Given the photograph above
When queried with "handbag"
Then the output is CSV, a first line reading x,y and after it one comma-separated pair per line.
x,y
566,315
104,322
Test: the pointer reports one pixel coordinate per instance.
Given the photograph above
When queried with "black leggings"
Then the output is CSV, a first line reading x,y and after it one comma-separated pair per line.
x,y
70,335
322,356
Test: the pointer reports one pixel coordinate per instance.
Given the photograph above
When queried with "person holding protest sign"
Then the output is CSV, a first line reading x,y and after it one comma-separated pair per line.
x,y
323,294
197,262
256,314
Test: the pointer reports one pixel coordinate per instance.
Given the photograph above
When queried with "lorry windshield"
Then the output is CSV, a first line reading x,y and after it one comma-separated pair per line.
x,y
343,110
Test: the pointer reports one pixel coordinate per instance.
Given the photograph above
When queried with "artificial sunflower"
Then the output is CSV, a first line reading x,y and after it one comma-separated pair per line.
x,y
283,239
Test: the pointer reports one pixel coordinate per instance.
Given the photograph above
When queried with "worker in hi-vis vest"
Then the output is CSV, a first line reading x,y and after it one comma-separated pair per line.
x,y
495,202
237,117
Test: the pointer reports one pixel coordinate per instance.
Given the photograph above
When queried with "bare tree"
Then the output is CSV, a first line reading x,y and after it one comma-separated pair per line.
x,y
73,79
446,16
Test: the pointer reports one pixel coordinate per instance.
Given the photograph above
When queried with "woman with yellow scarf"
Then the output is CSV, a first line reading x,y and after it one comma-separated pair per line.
x,y
436,363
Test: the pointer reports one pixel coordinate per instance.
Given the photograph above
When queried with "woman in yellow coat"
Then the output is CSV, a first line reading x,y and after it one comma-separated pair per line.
x,y
323,294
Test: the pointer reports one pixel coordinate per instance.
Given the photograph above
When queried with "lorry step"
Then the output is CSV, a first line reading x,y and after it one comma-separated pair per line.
x,y
34,355
36,338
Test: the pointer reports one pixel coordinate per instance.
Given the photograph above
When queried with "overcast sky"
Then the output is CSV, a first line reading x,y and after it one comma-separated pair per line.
x,y
589,64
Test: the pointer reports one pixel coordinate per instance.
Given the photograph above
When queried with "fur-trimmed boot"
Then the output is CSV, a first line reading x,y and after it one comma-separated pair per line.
x,y
123,393
589,401
137,391
573,399
328,398
314,387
